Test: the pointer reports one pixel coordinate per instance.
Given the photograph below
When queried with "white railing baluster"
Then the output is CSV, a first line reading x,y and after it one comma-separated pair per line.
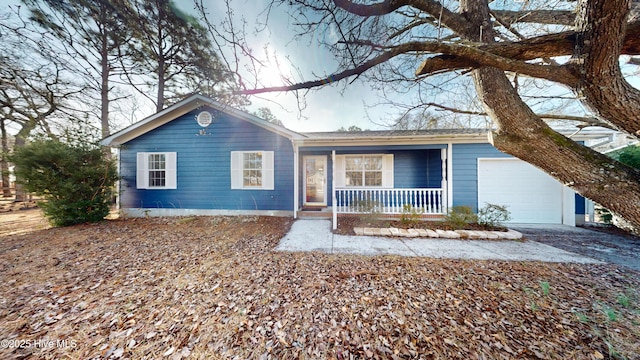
x,y
388,201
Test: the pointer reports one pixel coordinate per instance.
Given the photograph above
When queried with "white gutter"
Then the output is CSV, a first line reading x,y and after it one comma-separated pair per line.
x,y
394,140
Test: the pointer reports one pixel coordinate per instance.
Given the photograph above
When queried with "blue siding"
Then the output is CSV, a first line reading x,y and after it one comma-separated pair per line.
x,y
465,171
417,169
204,166
581,206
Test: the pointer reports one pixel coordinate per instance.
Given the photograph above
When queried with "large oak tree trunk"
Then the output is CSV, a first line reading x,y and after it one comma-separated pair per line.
x,y
521,133
601,26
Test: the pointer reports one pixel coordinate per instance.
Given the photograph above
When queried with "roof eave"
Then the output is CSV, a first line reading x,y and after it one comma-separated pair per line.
x,y
386,140
193,102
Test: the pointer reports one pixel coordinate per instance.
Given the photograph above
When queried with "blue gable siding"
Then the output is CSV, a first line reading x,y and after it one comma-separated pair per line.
x,y
465,171
204,166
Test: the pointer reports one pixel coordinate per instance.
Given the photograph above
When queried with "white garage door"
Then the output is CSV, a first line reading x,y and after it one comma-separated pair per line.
x,y
531,195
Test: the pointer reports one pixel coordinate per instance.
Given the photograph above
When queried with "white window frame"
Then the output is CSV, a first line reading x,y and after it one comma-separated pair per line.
x,y
340,175
142,173
237,170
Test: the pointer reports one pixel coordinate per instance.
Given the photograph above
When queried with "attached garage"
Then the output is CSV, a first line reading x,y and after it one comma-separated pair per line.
x,y
530,195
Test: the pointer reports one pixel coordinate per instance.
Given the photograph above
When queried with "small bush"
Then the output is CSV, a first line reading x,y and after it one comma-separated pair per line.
x,y
459,217
605,215
492,215
75,181
410,215
366,205
368,208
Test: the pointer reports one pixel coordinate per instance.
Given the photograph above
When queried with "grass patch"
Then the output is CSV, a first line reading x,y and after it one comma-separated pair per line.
x,y
544,285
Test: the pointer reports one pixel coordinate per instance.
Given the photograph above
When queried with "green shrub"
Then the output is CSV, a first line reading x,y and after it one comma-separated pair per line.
x,y
410,215
629,156
76,181
366,205
459,217
605,215
492,215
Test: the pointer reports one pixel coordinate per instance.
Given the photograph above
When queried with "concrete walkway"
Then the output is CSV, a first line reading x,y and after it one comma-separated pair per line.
x,y
316,235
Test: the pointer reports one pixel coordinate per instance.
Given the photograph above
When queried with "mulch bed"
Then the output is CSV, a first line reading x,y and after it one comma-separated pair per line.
x,y
347,223
213,288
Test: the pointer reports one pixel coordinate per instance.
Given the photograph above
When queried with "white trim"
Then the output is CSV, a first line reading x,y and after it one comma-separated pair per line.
x,y
388,175
338,170
589,209
449,175
334,216
268,170
139,212
392,140
568,206
324,180
119,181
296,177
142,170
632,143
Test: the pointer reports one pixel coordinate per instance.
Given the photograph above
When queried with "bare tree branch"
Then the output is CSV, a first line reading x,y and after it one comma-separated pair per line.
x,y
559,44
550,17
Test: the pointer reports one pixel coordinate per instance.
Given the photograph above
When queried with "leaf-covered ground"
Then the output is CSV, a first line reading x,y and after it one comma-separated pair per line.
x,y
208,288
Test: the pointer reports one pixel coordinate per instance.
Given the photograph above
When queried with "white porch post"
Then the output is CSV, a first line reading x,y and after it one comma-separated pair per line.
x,y
443,185
296,182
449,175
449,189
334,209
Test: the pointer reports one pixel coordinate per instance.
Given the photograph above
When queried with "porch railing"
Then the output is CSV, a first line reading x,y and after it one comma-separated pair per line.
x,y
388,201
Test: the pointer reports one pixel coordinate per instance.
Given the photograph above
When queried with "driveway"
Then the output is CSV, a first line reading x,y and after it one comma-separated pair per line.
x,y
617,249
316,235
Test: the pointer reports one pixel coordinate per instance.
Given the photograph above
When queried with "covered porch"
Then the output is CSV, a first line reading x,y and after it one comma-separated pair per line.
x,y
387,181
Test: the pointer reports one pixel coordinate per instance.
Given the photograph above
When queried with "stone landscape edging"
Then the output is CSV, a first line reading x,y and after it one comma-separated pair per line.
x,y
440,234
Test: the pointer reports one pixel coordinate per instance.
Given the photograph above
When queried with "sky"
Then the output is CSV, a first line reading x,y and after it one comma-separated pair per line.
x,y
325,109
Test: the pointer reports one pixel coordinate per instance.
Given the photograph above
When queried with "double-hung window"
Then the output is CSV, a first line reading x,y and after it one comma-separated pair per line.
x,y
252,170
156,170
375,170
363,170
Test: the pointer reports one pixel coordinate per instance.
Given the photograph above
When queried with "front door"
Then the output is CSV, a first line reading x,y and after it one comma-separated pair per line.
x,y
315,180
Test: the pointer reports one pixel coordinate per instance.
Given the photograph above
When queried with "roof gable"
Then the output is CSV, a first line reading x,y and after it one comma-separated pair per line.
x,y
175,111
